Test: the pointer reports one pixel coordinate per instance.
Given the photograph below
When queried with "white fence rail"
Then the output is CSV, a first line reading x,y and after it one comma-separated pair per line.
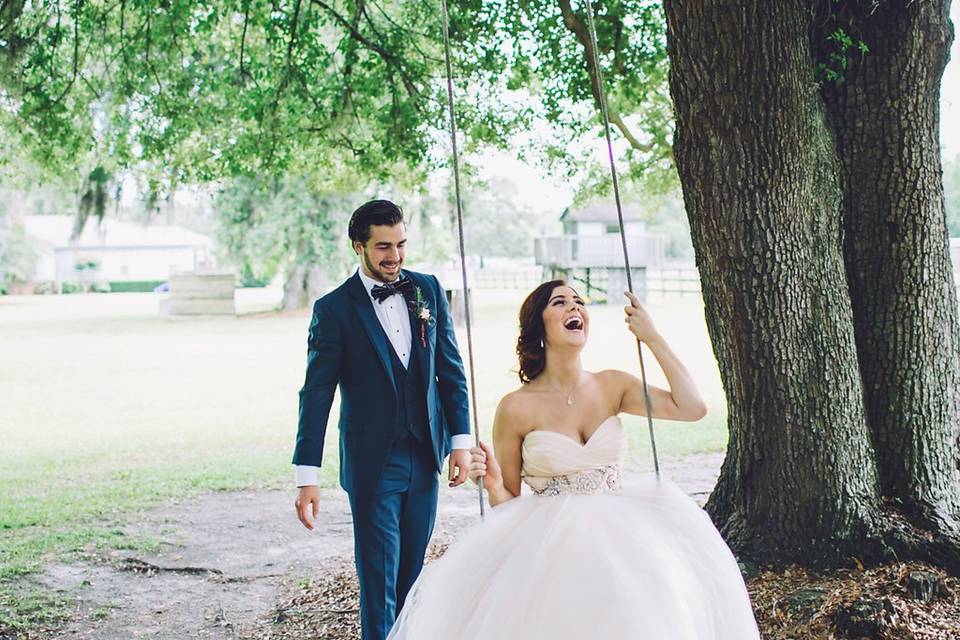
x,y
674,280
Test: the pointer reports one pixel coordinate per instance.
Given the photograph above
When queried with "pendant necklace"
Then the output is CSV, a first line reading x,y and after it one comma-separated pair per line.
x,y
568,396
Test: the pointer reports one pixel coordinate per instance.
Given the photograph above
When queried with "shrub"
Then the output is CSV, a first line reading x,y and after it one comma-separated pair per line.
x,y
71,287
136,285
44,287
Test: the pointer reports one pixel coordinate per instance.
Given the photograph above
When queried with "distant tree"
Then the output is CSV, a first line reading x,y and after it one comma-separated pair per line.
x,y
951,194
667,216
494,225
271,226
18,259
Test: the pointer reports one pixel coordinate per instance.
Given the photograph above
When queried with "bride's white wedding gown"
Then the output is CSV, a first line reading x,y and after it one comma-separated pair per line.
x,y
583,559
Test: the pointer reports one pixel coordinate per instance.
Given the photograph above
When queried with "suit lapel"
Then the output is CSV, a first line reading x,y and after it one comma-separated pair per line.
x,y
370,323
419,351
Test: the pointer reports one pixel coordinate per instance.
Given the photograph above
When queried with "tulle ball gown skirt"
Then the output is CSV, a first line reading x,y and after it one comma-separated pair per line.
x,y
644,563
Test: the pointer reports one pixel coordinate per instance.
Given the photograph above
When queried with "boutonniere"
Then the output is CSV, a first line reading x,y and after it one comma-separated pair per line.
x,y
421,310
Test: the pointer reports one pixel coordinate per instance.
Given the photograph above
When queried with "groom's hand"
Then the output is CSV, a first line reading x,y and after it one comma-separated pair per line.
x,y
308,505
459,466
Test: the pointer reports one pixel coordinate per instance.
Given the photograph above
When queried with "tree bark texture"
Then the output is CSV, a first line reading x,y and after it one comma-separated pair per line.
x,y
762,190
818,222
886,113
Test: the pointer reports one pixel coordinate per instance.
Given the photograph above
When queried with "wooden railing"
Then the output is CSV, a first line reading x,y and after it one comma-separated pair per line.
x,y
677,280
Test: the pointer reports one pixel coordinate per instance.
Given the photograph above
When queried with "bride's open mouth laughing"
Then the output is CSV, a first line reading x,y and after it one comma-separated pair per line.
x,y
574,323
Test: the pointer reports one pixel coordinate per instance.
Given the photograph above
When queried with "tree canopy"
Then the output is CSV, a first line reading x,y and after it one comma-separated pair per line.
x,y
198,91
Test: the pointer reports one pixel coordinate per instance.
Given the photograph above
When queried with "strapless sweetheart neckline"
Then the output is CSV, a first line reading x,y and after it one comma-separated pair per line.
x,y
568,438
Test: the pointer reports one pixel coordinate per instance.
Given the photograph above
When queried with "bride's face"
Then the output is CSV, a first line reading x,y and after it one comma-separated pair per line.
x,y
565,319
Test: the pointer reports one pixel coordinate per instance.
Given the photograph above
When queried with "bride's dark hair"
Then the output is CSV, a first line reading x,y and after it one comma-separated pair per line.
x,y
530,345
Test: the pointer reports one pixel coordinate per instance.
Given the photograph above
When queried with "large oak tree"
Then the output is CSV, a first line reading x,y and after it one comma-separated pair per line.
x,y
807,145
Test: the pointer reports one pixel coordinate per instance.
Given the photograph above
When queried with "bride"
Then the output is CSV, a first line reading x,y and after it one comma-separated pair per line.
x,y
578,556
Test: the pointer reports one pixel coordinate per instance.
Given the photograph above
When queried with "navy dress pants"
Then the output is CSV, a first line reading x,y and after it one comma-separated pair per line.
x,y
391,531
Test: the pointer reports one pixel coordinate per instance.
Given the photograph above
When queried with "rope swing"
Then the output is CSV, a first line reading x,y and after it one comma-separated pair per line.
x,y
463,253
623,235
459,203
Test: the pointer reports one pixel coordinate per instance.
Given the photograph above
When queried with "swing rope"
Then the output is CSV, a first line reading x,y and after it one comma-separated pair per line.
x,y
463,254
459,203
616,195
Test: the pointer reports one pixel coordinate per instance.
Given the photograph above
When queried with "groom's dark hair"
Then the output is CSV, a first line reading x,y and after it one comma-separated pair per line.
x,y
375,212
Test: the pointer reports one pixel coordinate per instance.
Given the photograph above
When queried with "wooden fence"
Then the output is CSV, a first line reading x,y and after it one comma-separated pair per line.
x,y
674,280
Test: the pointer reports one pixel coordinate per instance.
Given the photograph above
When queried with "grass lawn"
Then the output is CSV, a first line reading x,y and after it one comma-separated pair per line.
x,y
108,409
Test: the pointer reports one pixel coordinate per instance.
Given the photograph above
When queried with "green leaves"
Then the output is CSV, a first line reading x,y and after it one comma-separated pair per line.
x,y
186,91
199,91
17,257
839,47
270,225
540,45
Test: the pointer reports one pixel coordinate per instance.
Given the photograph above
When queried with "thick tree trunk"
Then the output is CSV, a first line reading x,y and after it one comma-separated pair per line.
x,y
886,115
762,190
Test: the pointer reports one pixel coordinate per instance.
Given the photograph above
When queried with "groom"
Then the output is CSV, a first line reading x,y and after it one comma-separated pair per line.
x,y
386,338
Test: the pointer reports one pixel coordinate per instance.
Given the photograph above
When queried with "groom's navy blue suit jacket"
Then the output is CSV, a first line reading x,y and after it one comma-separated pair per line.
x,y
347,346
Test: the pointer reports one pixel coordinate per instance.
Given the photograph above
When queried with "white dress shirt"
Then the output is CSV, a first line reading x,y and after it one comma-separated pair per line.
x,y
394,317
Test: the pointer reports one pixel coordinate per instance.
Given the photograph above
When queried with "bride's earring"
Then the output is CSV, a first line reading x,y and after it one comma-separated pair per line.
x,y
541,343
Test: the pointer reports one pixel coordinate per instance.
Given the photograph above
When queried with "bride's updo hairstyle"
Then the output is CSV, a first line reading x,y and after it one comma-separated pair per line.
x,y
530,345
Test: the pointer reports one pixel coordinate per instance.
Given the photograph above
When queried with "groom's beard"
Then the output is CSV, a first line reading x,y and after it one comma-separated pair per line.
x,y
377,272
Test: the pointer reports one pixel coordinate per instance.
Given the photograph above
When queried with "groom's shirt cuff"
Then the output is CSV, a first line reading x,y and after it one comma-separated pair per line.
x,y
306,476
461,441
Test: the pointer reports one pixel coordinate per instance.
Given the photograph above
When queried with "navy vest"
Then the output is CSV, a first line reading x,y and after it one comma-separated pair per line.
x,y
412,397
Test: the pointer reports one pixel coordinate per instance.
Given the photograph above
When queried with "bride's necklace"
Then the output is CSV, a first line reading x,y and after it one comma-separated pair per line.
x,y
568,396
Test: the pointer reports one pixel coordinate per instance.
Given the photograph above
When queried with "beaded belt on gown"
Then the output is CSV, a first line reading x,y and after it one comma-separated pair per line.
x,y
590,482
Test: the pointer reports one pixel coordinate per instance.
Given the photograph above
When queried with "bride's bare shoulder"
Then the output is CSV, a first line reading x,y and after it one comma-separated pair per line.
x,y
613,379
514,410
510,404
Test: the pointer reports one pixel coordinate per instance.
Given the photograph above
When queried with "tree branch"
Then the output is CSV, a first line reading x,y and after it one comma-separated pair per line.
x,y
243,38
146,53
293,36
576,26
76,51
395,23
348,64
385,55
284,81
10,12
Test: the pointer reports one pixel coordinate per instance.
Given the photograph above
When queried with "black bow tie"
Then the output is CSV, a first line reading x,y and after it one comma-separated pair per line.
x,y
383,291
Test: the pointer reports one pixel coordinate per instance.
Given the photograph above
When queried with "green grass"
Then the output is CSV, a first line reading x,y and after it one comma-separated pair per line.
x,y
29,609
108,409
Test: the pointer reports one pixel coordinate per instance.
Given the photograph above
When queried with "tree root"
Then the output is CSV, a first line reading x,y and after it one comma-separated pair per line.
x,y
889,536
137,565
937,543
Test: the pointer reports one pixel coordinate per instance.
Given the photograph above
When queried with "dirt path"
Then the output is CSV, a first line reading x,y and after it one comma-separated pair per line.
x,y
227,559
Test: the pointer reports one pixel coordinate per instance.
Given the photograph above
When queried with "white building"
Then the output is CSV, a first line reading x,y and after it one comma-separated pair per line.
x,y
114,251
590,251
